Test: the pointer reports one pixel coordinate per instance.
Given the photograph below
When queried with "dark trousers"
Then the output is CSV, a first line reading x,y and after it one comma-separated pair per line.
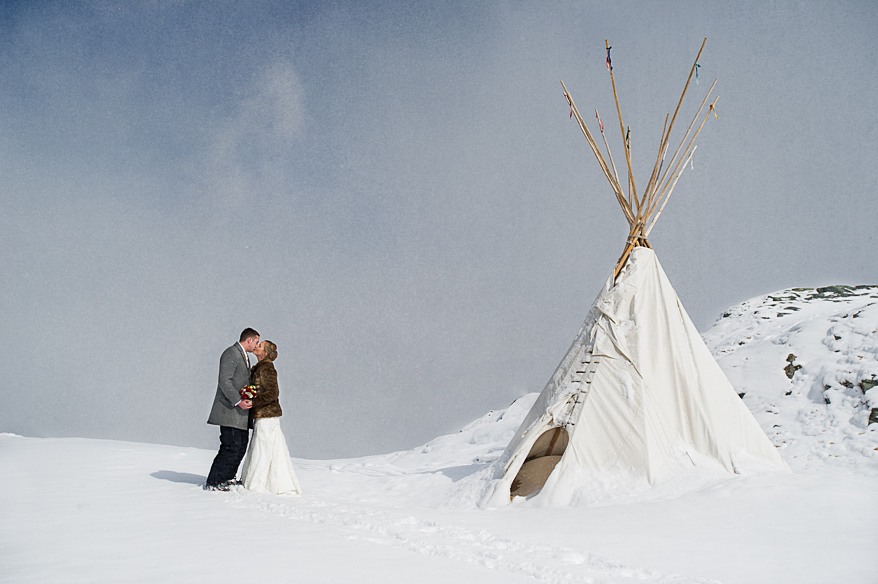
x,y
233,446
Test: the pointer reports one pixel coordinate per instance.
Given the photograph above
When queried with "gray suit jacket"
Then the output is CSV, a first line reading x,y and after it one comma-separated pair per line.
x,y
234,373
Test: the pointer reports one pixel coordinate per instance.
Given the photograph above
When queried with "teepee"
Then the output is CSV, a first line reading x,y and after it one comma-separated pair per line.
x,y
638,394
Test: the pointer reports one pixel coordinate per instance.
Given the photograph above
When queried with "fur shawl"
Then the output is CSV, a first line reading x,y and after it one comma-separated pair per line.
x,y
266,404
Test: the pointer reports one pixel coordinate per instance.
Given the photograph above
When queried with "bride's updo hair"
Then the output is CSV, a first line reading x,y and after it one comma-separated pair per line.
x,y
270,350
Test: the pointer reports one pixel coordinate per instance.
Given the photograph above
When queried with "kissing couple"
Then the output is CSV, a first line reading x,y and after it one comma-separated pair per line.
x,y
249,398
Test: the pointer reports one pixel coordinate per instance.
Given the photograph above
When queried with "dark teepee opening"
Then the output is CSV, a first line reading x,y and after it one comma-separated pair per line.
x,y
544,455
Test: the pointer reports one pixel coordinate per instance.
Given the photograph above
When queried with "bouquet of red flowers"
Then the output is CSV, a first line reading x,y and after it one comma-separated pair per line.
x,y
248,392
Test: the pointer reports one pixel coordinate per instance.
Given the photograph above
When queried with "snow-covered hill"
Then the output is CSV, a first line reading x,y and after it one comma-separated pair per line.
x,y
77,510
806,360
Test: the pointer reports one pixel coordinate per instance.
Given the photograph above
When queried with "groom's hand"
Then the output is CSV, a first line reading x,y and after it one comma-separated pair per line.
x,y
245,404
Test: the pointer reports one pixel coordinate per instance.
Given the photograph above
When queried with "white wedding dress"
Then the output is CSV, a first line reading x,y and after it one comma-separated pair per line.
x,y
267,466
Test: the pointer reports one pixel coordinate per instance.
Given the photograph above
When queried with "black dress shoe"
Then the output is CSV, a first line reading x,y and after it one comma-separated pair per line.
x,y
219,487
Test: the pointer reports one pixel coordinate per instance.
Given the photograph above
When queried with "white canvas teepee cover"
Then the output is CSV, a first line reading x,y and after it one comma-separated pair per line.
x,y
639,395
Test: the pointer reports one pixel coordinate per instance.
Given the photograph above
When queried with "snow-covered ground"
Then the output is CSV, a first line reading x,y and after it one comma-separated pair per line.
x,y
83,510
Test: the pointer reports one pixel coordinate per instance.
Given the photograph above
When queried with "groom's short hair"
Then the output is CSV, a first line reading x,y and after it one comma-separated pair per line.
x,y
248,333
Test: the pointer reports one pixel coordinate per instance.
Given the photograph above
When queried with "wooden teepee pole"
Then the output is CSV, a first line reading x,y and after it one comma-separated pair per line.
x,y
632,192
665,177
686,87
617,188
657,168
607,146
636,238
663,147
668,195
690,151
681,162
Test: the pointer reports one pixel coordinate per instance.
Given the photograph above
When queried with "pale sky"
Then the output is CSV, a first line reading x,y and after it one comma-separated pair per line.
x,y
394,194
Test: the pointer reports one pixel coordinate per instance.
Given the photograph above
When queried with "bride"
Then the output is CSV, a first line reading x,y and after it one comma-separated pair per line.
x,y
267,467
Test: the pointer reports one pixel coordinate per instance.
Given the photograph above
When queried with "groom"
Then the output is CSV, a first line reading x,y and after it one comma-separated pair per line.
x,y
229,412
